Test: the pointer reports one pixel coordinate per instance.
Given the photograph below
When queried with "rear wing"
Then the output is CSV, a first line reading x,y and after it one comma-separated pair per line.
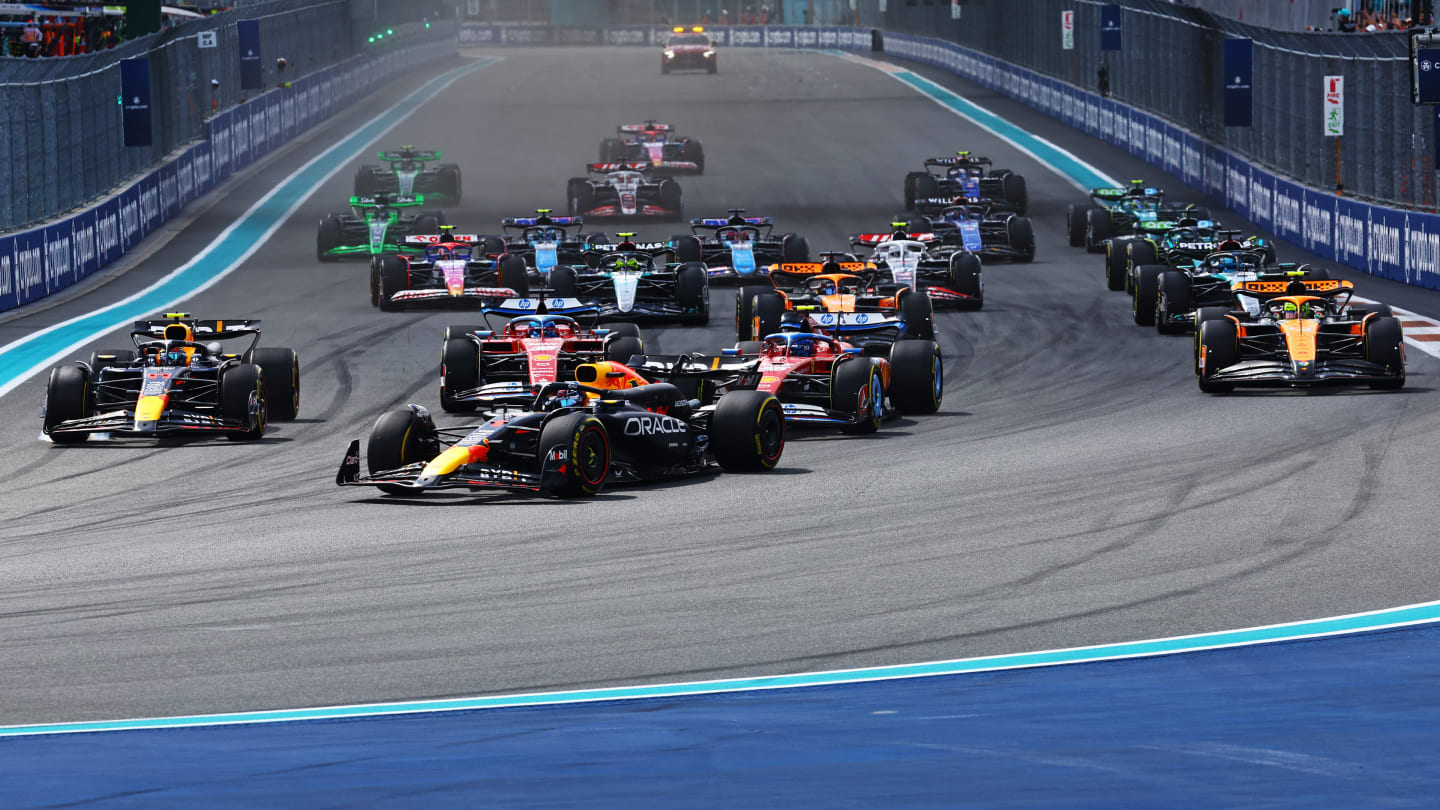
x,y
815,268
387,201
625,166
852,322
424,155
1112,194
872,239
648,126
219,329
721,222
436,239
1296,286
958,160
636,247
525,222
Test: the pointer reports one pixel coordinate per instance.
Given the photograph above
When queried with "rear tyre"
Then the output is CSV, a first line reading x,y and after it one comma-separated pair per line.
x,y
579,196
114,357
670,199
1147,293
394,277
1137,252
512,274
426,225
748,347
745,313
459,371
1097,228
450,183
965,278
563,282
1317,274
627,329
767,309
67,396
857,387
1022,235
747,431
613,150
242,399
692,290
1016,193
281,369
687,248
917,382
1217,348
694,151
328,236
1384,347
1075,224
912,180
583,440
622,348
374,283
794,248
491,246
364,181
919,313
1174,299
398,438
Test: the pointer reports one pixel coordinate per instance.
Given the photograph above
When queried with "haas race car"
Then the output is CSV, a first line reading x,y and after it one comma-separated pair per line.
x,y
624,191
738,247
178,379
656,145
933,261
965,178
839,297
407,174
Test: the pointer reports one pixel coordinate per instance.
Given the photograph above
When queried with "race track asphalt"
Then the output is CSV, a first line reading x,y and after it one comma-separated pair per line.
x,y
1077,488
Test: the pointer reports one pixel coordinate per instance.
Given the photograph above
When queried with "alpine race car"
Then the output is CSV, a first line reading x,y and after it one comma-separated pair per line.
x,y
408,175
840,297
688,50
624,191
949,273
448,272
964,178
1120,211
1304,333
610,426
483,367
992,232
630,281
738,247
177,380
374,226
657,145
545,241
820,381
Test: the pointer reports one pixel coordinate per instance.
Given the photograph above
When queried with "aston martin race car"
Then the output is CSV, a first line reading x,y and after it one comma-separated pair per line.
x,y
178,379
738,247
1120,212
964,178
636,281
481,366
1168,298
374,226
688,50
820,381
925,260
1179,247
1304,333
657,145
841,297
407,175
609,426
624,191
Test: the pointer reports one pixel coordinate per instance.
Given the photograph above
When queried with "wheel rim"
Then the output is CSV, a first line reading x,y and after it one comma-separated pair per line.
x,y
771,432
939,378
877,398
592,460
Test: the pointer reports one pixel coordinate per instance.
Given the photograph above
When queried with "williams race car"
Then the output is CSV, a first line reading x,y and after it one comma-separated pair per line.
x,y
840,297
407,175
177,380
961,179
623,191
654,144
738,247
373,227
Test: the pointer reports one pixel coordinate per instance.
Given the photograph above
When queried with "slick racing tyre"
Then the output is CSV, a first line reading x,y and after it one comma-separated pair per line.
x,y
919,313
281,368
747,431
1174,299
1202,315
613,150
1384,347
242,399
622,348
857,387
1016,193
687,248
586,448
626,329
1115,265
400,437
374,283
1075,224
67,396
749,347
364,181
563,282
692,291
965,278
1216,348
917,382
512,274
692,150
449,179
1136,252
460,370
1022,236
105,358
394,277
328,237
670,199
745,311
1098,228
579,196
427,225
1147,293
794,248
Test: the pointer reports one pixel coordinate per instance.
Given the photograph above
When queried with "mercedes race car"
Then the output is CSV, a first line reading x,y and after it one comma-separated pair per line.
x,y
374,226
484,367
1179,247
1168,298
630,281
840,297
738,247
609,426
408,175
624,191
177,380
654,144
1303,333
948,272
1120,212
820,381
688,50
964,178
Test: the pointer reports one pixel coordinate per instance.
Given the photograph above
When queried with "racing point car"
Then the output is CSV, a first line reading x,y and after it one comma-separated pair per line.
x,y
840,297
657,145
820,381
988,230
630,281
1120,211
623,190
484,367
1303,333
177,380
373,227
948,272
610,426
448,272
965,178
407,174
688,50
738,247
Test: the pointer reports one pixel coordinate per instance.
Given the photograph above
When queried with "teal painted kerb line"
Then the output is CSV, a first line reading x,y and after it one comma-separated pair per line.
x,y
1340,625
22,356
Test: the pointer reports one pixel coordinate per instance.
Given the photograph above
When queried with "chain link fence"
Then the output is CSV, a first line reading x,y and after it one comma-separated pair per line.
x,y
61,121
1172,65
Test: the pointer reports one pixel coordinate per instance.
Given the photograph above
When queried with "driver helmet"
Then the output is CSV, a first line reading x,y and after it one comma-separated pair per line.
x,y
550,330
566,398
627,263
1289,311
802,347
825,286
175,356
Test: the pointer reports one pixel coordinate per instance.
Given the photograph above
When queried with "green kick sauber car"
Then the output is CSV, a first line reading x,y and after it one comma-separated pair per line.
x,y
374,226
409,173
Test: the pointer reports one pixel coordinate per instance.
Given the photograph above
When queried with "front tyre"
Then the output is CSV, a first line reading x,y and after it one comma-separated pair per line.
x,y
242,399
1384,347
585,446
747,431
399,438
857,387
67,396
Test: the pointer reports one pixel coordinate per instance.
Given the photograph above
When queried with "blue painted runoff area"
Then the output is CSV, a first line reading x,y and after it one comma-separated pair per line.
x,y
1334,722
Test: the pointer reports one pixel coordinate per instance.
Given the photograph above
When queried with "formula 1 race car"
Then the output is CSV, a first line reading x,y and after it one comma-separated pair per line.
x,y
819,380
688,50
373,227
965,178
611,426
840,297
484,367
948,273
1180,247
177,380
992,232
1304,334
448,272
408,175
630,281
622,190
1120,211
656,145
738,247
545,241
1168,298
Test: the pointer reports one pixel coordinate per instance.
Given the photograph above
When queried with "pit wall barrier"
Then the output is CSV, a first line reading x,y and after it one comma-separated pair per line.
x,y
1392,243
41,261
735,36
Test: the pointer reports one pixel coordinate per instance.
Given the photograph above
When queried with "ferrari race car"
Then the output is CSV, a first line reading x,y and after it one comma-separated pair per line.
x,y
610,426
688,50
177,380
623,190
1304,333
948,272
630,281
843,299
484,367
407,175
738,247
1120,211
448,272
964,178
373,227
654,144
820,381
